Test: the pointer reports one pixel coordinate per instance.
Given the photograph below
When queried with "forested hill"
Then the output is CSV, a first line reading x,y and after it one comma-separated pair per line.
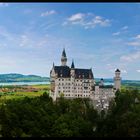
x,y
14,77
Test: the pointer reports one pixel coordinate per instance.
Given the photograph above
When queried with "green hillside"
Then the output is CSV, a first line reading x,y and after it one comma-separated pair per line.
x,y
14,77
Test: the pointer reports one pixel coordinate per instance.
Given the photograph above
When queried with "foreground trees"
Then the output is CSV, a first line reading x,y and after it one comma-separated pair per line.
x,y
123,117
41,117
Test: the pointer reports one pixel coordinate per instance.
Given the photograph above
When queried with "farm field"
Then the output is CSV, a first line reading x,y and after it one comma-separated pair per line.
x,y
8,92
18,92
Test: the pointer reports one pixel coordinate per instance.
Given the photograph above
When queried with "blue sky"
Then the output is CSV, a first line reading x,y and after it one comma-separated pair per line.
x,y
104,36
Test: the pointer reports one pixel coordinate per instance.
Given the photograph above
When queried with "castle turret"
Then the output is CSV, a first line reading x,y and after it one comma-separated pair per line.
x,y
52,78
72,74
72,69
101,82
117,80
64,58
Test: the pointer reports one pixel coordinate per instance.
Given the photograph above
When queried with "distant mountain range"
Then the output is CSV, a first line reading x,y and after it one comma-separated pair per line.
x,y
15,77
130,83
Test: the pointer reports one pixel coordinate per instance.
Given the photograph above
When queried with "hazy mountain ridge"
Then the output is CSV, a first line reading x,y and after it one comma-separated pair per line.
x,y
15,77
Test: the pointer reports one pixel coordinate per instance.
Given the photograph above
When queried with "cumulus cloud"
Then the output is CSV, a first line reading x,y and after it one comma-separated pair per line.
x,y
76,17
87,20
48,13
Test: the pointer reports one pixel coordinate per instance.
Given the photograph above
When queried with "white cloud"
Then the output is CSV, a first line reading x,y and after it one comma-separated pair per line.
x,y
124,28
47,13
99,20
116,33
130,57
138,37
87,20
3,4
134,43
76,17
138,70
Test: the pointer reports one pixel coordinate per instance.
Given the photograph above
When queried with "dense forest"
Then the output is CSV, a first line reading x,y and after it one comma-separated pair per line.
x,y
41,117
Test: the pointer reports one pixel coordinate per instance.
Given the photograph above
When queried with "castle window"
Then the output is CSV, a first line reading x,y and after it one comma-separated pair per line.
x,y
62,79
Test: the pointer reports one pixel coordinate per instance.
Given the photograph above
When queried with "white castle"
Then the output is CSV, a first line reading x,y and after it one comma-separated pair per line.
x,y
71,82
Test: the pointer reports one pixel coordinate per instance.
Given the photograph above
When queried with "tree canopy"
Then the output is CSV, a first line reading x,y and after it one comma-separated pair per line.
x,y
41,117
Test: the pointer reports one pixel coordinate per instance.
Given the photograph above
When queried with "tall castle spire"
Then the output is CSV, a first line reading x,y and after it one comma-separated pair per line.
x,y
72,65
64,58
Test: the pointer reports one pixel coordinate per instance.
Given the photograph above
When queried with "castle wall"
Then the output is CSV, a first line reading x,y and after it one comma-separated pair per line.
x,y
73,88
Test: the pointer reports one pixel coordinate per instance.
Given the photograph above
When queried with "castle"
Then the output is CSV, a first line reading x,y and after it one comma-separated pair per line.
x,y
71,82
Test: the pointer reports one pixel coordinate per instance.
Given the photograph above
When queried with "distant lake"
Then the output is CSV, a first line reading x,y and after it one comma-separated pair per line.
x,y
38,83
108,83
24,83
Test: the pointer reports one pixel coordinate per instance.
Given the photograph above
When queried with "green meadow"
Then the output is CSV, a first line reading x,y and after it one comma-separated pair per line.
x,y
19,92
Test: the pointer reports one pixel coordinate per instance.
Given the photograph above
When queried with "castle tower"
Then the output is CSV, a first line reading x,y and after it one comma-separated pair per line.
x,y
63,58
117,80
101,82
52,78
72,74
72,71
